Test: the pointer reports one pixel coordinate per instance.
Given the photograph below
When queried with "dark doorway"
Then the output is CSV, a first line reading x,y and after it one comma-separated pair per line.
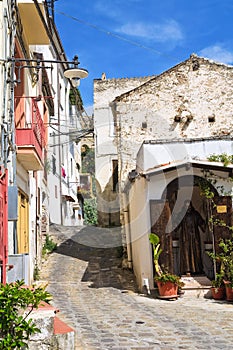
x,y
191,232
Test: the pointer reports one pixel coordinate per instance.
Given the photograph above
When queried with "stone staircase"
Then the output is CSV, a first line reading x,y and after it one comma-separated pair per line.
x,y
196,286
55,334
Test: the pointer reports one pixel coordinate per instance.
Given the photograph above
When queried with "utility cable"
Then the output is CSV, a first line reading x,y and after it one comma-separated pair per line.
x,y
114,35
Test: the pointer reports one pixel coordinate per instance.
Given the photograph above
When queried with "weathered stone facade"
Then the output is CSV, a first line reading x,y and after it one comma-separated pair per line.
x,y
192,100
105,91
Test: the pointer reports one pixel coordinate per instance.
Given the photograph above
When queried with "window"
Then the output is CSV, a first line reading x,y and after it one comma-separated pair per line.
x,y
53,165
71,167
114,175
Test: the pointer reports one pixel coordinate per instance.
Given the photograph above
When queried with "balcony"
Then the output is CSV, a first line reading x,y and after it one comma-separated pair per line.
x,y
30,139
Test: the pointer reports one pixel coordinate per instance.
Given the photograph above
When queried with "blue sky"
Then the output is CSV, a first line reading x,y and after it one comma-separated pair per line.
x,y
132,38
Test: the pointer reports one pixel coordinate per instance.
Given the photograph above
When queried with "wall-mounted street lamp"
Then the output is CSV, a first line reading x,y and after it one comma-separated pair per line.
x,y
73,73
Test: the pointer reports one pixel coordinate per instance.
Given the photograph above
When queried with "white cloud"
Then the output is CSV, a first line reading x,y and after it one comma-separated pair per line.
x,y
159,32
107,9
218,53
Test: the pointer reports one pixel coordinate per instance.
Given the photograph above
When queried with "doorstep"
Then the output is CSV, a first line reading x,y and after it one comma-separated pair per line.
x,y
197,286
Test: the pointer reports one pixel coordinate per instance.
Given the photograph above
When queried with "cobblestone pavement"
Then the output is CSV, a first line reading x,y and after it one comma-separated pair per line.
x,y
100,301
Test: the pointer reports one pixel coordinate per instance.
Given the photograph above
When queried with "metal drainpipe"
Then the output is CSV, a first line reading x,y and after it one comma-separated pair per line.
x,y
127,230
12,104
59,142
3,131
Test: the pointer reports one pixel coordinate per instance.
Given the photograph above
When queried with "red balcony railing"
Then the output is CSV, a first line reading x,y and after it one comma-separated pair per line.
x,y
31,134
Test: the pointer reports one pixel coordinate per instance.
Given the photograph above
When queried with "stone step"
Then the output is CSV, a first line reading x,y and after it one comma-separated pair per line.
x,y
61,327
196,286
54,331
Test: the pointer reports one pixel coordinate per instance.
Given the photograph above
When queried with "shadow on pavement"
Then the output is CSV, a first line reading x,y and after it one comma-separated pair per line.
x,y
102,249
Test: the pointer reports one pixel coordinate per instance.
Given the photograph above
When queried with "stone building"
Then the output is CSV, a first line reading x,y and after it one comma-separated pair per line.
x,y
177,120
106,161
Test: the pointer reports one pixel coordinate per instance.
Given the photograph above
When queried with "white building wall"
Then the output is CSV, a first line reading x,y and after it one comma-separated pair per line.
x,y
139,228
62,150
152,155
153,187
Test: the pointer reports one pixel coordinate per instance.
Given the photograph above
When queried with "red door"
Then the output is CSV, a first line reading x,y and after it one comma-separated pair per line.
x,y
3,225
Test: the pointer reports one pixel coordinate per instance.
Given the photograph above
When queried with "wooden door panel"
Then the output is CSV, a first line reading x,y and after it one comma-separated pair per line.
x,y
160,215
222,211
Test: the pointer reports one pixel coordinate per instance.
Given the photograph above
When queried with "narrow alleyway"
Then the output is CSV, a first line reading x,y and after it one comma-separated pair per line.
x,y
99,300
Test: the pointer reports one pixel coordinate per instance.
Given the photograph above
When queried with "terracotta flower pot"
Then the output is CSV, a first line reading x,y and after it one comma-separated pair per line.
x,y
218,293
167,289
229,291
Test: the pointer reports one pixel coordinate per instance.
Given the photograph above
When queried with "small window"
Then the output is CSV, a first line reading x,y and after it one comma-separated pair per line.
x,y
71,167
114,175
53,165
211,119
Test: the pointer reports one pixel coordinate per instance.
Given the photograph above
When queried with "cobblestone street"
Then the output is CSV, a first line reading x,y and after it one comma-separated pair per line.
x,y
100,301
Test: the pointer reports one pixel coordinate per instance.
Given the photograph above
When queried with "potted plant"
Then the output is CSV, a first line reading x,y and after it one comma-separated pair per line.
x,y
218,287
167,283
225,259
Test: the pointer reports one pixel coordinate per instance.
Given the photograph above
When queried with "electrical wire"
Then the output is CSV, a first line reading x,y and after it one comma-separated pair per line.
x,y
79,137
114,35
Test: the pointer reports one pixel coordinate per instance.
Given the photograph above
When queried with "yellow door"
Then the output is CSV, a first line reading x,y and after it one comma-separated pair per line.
x,y
22,224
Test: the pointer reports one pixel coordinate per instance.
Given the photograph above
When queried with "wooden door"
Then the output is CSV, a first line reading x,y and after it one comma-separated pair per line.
x,y
22,225
222,212
160,215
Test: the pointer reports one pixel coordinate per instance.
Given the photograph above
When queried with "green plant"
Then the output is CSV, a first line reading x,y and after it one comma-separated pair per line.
x,y
225,258
49,245
16,304
161,275
154,240
36,272
223,158
90,212
120,251
169,277
76,99
218,281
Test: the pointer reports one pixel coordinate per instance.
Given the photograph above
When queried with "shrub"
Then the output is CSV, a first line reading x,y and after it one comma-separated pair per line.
x,y
90,212
49,245
16,304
